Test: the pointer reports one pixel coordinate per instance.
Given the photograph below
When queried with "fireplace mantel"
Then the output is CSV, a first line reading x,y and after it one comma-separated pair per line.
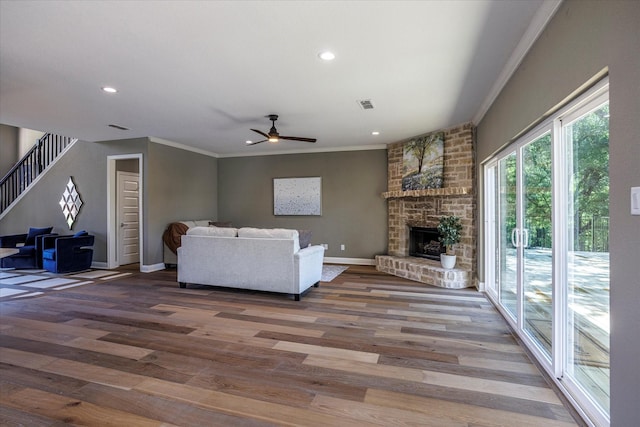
x,y
429,192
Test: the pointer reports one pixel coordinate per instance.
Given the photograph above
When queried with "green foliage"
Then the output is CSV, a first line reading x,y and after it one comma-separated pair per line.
x,y
423,147
589,184
449,229
588,154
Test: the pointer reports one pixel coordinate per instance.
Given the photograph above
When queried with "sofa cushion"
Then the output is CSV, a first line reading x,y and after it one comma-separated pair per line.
x,y
49,254
271,233
33,232
213,231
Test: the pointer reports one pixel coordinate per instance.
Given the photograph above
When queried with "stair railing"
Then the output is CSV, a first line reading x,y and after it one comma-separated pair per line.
x,y
36,161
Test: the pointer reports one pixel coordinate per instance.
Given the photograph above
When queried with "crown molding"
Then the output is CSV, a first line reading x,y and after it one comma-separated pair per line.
x,y
183,146
308,151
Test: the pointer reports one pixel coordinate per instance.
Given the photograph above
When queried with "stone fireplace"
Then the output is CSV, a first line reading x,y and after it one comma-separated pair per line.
x,y
423,208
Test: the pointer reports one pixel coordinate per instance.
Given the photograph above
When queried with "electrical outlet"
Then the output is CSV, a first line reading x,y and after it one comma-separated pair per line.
x,y
635,200
326,246
342,247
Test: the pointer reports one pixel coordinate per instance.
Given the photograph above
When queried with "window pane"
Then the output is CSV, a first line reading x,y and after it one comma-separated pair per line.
x,y
507,259
588,254
536,242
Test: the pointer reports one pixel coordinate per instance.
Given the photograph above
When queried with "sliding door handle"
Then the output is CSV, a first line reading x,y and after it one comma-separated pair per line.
x,y
515,237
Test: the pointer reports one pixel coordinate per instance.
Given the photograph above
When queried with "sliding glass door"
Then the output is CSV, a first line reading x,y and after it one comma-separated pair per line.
x,y
586,139
546,246
507,255
535,242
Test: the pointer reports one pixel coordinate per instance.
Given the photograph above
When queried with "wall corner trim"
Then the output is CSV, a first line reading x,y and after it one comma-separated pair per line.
x,y
538,24
151,268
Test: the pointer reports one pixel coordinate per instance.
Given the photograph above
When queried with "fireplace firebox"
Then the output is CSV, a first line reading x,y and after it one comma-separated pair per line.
x,y
424,243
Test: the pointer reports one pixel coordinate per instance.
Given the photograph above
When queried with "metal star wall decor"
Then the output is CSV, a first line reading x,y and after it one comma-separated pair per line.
x,y
70,203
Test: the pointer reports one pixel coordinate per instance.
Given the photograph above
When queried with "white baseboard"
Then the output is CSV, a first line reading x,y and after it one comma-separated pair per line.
x,y
99,265
481,287
151,268
143,268
351,261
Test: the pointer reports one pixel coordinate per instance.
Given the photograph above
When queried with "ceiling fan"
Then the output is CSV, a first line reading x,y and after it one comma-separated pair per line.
x,y
274,136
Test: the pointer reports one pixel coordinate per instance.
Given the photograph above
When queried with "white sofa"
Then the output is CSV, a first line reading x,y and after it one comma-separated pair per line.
x,y
249,258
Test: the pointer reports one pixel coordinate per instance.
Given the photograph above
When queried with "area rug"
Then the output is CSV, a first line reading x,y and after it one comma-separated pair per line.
x,y
330,272
16,284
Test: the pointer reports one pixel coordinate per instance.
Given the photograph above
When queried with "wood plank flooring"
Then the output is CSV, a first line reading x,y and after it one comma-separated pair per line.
x,y
364,349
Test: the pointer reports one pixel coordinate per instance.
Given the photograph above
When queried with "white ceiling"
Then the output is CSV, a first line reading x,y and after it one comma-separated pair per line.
x,y
202,73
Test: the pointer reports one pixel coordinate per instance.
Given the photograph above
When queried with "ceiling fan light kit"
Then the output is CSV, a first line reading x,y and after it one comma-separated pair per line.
x,y
274,136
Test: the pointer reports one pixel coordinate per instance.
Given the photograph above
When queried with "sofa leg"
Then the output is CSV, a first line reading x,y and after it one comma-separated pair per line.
x,y
296,297
315,285
183,285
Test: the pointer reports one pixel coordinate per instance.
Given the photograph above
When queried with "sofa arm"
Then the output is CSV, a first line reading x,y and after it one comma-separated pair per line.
x,y
48,241
11,241
311,252
71,244
308,265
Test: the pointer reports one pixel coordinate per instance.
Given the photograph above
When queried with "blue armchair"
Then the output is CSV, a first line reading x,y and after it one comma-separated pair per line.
x,y
66,254
29,246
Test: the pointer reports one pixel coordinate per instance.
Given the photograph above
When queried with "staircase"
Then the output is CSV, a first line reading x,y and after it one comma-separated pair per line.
x,y
34,163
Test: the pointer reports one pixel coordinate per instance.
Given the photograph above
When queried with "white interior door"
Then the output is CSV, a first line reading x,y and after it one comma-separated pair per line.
x,y
128,218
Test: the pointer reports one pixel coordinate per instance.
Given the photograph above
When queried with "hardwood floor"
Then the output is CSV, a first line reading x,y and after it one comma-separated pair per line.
x,y
364,349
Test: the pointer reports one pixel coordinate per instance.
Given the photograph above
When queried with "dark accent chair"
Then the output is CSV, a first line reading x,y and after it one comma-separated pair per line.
x,y
30,253
67,254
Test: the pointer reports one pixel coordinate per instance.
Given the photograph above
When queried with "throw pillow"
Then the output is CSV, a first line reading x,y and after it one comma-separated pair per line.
x,y
81,233
305,238
220,224
33,232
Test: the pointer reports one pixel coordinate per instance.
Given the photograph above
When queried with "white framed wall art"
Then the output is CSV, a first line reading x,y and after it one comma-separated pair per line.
x,y
297,196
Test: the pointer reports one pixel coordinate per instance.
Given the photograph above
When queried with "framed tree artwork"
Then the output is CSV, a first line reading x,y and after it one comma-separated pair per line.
x,y
423,162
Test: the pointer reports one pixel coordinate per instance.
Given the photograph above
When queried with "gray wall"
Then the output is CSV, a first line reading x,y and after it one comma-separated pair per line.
x,y
9,148
172,191
582,39
86,163
180,185
353,211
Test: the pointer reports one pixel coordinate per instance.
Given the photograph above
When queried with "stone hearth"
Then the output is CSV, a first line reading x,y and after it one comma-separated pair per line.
x,y
423,208
424,271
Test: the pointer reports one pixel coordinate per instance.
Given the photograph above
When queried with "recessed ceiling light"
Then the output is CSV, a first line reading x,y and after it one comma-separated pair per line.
x,y
109,89
327,56
375,132
248,142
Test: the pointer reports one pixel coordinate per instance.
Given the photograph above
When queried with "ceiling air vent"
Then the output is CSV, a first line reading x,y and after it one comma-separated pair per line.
x,y
366,104
118,127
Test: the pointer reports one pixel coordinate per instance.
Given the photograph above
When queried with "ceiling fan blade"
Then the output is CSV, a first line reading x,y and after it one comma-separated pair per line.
x,y
297,138
261,133
257,142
